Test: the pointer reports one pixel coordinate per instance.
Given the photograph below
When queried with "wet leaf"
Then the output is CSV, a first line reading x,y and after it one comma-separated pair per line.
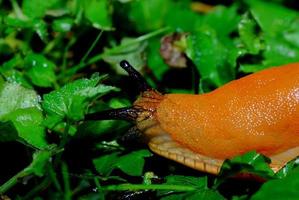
x,y
8,132
249,34
98,13
250,162
131,164
21,107
71,100
144,15
63,25
285,188
129,49
14,96
214,60
28,123
40,70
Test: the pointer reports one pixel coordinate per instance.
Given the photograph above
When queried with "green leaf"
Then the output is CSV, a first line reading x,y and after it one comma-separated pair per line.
x,y
283,172
133,53
71,100
37,25
119,102
8,132
280,28
179,13
21,107
250,162
14,96
34,8
274,19
17,23
155,61
41,160
11,74
206,194
251,68
12,63
131,164
40,70
16,77
291,35
223,20
98,13
286,188
249,35
214,60
279,52
37,8
144,14
63,25
105,164
40,27
28,124
97,128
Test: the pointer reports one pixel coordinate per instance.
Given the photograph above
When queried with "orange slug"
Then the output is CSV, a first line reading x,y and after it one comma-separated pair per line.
x,y
257,112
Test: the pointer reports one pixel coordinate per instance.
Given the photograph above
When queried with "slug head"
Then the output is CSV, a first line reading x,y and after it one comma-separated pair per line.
x,y
143,108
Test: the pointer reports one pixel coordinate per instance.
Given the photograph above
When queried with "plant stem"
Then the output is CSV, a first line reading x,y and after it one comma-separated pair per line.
x,y
13,180
149,187
92,47
99,187
50,45
66,181
62,143
44,184
53,176
71,42
137,40
65,134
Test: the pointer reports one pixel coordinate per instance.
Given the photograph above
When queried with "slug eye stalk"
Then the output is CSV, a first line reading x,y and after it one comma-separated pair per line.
x,y
136,76
130,113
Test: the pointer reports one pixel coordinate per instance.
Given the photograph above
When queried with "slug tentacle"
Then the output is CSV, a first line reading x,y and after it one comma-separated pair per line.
x,y
129,114
136,76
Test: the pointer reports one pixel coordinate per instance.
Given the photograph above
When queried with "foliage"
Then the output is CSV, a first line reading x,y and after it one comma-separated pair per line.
x,y
48,51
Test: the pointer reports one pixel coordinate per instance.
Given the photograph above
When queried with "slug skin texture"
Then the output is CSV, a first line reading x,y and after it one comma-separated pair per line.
x,y
258,112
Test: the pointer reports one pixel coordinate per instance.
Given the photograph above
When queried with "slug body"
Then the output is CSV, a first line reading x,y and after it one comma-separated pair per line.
x,y
257,112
